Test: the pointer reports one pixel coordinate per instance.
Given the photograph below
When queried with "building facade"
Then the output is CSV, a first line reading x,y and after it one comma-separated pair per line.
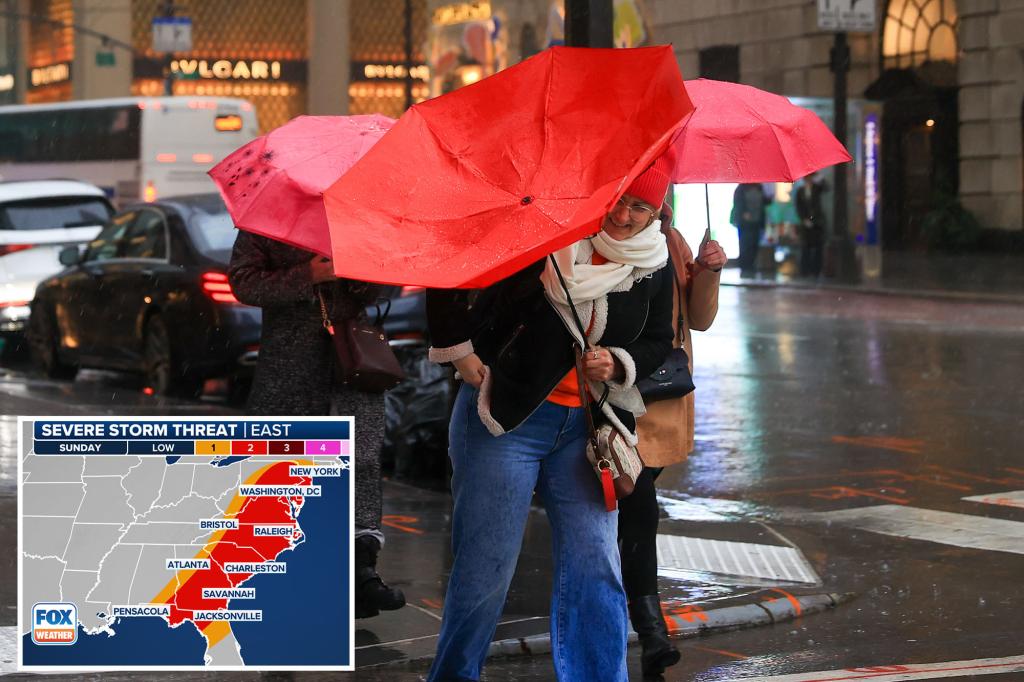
x,y
949,75
946,75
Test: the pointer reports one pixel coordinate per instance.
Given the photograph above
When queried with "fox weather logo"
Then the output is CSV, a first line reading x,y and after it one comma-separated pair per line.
x,y
54,623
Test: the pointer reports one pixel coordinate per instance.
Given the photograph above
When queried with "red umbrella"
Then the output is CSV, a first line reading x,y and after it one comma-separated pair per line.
x,y
472,186
274,185
742,134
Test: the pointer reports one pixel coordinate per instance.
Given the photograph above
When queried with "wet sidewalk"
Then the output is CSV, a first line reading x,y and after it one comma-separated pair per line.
x,y
717,573
968,276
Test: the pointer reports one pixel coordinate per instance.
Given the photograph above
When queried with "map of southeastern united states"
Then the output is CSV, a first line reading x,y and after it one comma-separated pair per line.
x,y
184,592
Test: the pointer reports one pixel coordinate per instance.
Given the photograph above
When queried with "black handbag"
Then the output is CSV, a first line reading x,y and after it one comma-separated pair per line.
x,y
364,359
671,380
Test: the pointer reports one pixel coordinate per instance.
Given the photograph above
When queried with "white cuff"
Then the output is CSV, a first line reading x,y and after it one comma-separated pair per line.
x,y
627,363
451,353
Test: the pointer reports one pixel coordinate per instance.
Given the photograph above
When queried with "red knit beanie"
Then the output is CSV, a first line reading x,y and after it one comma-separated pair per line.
x,y
651,186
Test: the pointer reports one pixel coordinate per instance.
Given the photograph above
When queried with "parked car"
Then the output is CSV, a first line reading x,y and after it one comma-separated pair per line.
x,y
37,219
150,294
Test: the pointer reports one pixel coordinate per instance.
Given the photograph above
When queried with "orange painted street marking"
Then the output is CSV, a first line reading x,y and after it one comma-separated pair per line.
x,y
432,603
907,445
792,600
837,492
689,612
398,521
723,652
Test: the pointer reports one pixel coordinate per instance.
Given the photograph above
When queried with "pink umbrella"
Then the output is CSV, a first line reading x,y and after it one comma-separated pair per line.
x,y
742,134
274,185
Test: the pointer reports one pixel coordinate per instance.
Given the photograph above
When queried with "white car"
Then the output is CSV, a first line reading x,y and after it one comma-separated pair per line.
x,y
37,219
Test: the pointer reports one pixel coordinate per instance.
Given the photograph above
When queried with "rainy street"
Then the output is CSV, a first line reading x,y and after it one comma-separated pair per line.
x,y
875,438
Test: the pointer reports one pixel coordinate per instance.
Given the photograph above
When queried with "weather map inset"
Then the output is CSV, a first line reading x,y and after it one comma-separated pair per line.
x,y
185,543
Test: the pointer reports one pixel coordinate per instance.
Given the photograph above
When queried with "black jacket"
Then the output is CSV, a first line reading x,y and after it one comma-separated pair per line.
x,y
526,345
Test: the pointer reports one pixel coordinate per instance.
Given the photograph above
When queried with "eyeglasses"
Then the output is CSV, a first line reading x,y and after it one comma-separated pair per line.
x,y
638,213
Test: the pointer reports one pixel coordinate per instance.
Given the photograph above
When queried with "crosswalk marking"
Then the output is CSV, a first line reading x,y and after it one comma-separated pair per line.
x,y
747,559
908,671
8,649
960,530
1013,498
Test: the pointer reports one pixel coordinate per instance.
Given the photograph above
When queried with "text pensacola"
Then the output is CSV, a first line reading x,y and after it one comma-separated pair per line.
x,y
189,429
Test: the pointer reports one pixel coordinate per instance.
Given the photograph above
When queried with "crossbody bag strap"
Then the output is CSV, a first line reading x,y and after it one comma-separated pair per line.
x,y
675,249
328,325
579,349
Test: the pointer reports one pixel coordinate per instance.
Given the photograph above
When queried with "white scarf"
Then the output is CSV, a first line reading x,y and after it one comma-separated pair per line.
x,y
628,261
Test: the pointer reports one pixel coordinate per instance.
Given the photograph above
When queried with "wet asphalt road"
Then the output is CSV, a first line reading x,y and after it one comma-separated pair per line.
x,y
812,405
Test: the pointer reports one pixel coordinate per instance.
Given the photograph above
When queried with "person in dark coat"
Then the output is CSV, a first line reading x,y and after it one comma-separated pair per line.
x,y
294,375
811,210
749,202
518,426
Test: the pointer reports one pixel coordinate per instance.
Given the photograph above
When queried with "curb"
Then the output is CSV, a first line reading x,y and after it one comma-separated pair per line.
x,y
694,621
965,296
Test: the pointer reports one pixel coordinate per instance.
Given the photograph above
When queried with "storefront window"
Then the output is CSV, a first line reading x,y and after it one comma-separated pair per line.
x,y
50,45
920,31
389,71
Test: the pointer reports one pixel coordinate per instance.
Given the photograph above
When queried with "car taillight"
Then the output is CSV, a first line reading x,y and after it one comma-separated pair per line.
x,y
11,248
13,304
410,291
215,285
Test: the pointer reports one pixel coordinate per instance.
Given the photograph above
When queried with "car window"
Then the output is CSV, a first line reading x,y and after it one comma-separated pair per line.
x,y
147,237
109,240
212,232
51,212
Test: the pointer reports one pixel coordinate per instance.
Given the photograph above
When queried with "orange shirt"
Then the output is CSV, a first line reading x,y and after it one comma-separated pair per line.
x,y
567,392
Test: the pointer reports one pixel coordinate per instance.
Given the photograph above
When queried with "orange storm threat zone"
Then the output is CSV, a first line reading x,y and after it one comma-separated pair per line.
x,y
184,593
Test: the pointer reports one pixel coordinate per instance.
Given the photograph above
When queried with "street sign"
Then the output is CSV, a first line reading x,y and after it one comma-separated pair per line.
x,y
847,15
105,58
172,34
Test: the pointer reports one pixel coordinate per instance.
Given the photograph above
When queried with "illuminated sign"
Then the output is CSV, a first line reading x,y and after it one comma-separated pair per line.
x,y
461,12
871,147
364,71
48,75
6,82
226,69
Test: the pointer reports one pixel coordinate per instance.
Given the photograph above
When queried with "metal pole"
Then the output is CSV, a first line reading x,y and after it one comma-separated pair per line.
x,y
707,204
408,53
588,23
167,9
840,259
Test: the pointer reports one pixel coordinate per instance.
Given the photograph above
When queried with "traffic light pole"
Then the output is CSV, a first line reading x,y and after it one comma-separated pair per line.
x,y
840,259
167,10
588,23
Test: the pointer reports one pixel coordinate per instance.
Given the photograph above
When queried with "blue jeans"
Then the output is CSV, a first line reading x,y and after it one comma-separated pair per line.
x,y
492,484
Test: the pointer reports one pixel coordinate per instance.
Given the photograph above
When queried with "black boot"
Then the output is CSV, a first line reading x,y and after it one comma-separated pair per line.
x,y
372,595
658,651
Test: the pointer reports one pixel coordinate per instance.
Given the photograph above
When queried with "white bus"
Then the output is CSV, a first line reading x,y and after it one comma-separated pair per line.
x,y
138,148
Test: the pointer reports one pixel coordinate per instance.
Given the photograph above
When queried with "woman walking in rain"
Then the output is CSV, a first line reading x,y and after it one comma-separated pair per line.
x,y
666,437
518,426
294,376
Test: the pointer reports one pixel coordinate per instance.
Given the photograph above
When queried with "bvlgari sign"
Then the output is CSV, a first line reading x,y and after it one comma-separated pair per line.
x,y
227,69
224,69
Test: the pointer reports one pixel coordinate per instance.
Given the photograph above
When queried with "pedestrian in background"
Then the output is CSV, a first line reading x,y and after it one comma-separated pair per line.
x,y
518,426
749,202
295,370
811,209
665,437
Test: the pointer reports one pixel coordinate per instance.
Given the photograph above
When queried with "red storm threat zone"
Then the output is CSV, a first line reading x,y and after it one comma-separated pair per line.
x,y
240,546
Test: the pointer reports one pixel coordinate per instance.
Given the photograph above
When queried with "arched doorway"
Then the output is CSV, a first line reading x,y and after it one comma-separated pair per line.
x,y
920,136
